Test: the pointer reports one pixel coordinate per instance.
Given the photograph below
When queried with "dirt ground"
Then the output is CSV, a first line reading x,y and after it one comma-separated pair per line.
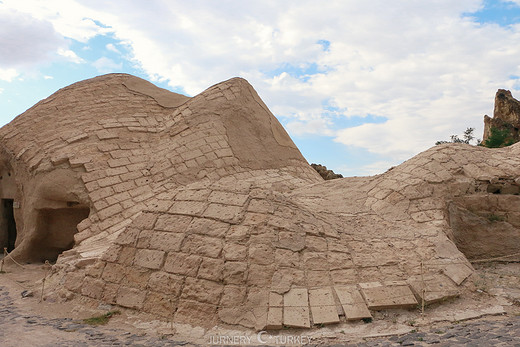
x,y
494,296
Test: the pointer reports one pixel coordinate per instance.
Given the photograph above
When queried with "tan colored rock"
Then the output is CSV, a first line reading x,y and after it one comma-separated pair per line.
x,y
296,309
432,289
323,307
201,207
506,115
352,302
149,258
380,296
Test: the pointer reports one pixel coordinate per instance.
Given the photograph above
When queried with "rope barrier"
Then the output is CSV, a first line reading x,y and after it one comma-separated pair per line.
x,y
44,278
7,254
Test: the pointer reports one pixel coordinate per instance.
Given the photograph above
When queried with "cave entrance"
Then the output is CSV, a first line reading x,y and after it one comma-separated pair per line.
x,y
56,229
7,225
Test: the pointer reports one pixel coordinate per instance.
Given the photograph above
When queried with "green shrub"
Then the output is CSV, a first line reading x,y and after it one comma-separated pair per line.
x,y
498,138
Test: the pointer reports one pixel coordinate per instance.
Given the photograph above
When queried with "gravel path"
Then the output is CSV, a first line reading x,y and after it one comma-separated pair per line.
x,y
21,330
477,334
33,330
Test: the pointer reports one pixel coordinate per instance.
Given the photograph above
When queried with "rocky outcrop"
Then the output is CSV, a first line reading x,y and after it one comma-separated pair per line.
x,y
202,210
324,173
506,117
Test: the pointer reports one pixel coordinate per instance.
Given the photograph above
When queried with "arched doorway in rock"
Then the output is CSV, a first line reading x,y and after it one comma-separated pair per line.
x,y
8,232
8,225
51,206
55,230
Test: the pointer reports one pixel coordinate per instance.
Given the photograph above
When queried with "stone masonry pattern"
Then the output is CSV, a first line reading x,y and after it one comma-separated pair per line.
x,y
206,213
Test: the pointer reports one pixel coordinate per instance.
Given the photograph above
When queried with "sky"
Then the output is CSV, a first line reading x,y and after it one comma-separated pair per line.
x,y
360,86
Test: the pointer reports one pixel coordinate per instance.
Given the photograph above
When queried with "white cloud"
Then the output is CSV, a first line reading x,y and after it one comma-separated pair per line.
x,y
70,55
8,74
70,18
516,2
424,66
112,48
316,126
25,40
106,65
375,168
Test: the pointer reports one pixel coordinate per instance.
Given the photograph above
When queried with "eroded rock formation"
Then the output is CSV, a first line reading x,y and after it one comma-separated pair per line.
x,y
325,173
506,116
202,210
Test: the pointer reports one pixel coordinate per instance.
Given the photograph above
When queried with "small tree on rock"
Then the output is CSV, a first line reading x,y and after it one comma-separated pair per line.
x,y
467,138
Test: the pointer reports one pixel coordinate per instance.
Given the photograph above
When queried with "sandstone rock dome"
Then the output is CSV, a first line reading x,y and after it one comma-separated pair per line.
x,y
202,210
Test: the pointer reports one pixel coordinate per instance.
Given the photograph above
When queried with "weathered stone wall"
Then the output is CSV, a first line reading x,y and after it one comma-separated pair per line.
x,y
506,116
203,211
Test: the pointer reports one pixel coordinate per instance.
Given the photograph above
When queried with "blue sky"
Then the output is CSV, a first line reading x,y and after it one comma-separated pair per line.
x,y
359,87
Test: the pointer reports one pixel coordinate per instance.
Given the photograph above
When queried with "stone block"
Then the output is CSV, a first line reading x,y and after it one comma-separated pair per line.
x,y
323,307
144,238
228,198
202,245
118,162
190,208
126,256
110,211
92,287
202,290
108,181
275,300
113,273
123,187
274,318
182,264
260,206
457,272
284,278
76,138
314,260
160,304
233,295
226,213
288,258
339,260
197,313
136,277
74,281
211,269
234,251
208,227
352,302
315,244
432,289
165,241
106,135
260,275
193,195
175,223
130,297
261,254
317,278
149,258
291,240
235,272
110,293
380,297
296,308
238,233
166,283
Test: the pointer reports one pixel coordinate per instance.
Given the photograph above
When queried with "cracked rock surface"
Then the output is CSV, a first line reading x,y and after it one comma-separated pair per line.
x,y
202,211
